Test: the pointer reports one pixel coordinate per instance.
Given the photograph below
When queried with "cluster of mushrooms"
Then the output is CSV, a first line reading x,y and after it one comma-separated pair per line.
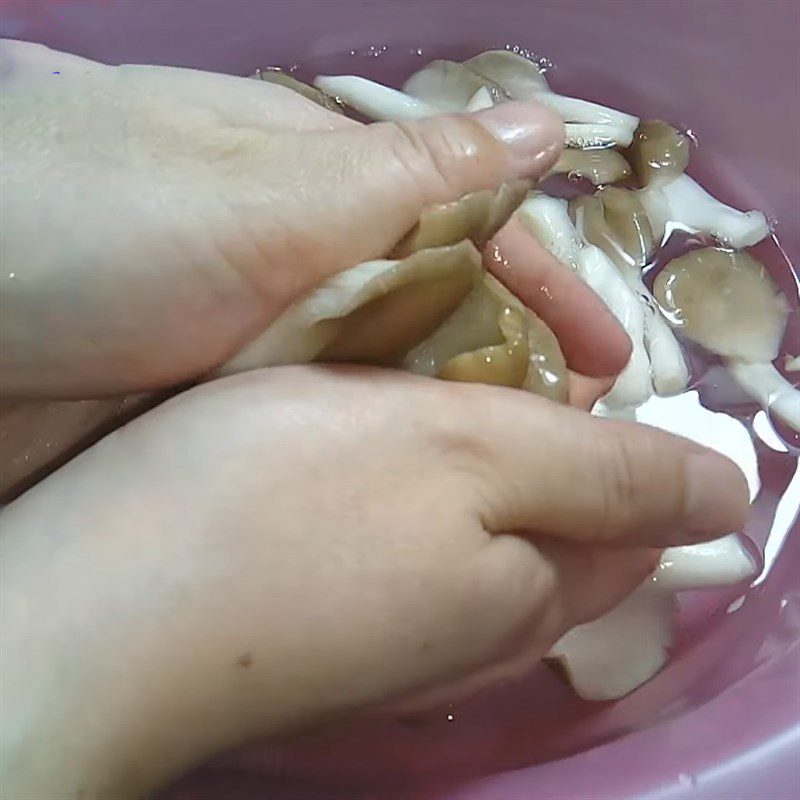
x,y
431,308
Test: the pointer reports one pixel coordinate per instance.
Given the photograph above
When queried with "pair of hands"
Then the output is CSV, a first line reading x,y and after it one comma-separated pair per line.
x,y
274,549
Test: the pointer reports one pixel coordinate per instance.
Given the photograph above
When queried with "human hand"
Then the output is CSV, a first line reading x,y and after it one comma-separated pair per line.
x,y
274,549
155,220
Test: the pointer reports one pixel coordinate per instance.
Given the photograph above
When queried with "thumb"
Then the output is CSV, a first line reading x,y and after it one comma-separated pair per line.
x,y
367,185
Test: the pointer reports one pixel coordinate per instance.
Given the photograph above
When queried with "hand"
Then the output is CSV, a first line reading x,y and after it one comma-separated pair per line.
x,y
274,549
155,220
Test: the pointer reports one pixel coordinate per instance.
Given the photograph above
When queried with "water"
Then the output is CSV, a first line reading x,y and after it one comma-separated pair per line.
x,y
723,636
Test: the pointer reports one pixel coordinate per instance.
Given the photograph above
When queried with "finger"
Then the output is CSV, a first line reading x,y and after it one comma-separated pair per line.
x,y
585,392
593,341
558,471
562,584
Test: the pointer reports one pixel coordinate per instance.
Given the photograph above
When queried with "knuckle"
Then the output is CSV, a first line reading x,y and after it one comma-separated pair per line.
x,y
619,490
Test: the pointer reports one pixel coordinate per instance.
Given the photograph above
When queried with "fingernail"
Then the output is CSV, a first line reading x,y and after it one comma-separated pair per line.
x,y
533,133
717,497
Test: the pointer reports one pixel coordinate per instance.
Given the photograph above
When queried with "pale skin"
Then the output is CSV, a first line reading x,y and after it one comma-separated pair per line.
x,y
277,549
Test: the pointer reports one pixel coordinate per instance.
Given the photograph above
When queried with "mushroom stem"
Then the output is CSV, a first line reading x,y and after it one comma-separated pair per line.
x,y
685,202
591,134
598,166
766,385
721,562
373,99
791,364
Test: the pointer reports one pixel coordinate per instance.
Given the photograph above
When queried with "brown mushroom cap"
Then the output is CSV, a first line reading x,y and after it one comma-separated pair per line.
x,y
726,301
281,78
658,152
450,85
476,216
614,220
599,166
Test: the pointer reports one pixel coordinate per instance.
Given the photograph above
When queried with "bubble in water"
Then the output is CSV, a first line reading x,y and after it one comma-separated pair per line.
x,y
450,717
692,136
417,51
573,176
542,62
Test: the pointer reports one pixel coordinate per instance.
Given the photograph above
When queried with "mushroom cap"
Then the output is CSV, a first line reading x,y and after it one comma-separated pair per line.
x,y
614,220
278,76
450,85
477,216
599,166
658,152
726,301
518,76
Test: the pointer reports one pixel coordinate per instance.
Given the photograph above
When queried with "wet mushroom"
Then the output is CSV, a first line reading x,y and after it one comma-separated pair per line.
x,y
612,656
598,166
548,220
493,338
660,154
726,301
614,220
791,364
373,99
588,124
278,76
451,86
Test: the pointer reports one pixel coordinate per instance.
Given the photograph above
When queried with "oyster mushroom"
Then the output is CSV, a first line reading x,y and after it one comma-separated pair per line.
x,y
660,154
548,220
588,124
281,78
614,220
726,301
615,654
493,338
599,166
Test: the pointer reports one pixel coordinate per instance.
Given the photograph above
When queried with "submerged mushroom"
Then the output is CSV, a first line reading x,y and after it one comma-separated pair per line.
x,y
281,78
660,155
493,338
727,302
614,220
548,220
599,166
588,124
610,657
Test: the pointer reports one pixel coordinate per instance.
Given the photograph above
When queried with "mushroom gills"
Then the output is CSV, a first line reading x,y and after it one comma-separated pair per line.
x,y
281,78
493,338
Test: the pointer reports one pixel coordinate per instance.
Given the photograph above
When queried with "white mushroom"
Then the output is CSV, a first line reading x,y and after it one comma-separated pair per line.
x,y
791,364
615,654
614,220
548,219
450,86
659,154
281,78
727,302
